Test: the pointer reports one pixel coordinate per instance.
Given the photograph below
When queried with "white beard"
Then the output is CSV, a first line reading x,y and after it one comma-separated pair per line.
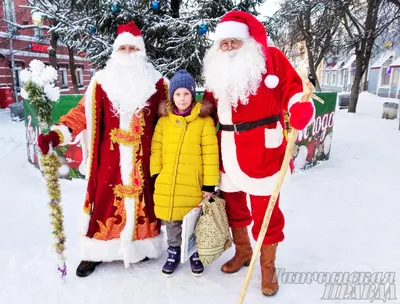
x,y
129,81
233,75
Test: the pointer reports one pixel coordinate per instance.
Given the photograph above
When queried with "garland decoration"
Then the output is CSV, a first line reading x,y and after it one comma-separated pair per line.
x,y
39,88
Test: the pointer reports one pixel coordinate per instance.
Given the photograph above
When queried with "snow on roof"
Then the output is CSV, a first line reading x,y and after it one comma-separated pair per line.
x,y
337,65
349,62
396,63
382,59
328,67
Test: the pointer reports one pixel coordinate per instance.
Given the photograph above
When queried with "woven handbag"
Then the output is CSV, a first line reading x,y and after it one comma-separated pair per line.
x,y
212,231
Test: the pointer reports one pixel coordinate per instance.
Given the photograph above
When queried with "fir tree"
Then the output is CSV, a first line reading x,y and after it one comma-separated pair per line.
x,y
175,31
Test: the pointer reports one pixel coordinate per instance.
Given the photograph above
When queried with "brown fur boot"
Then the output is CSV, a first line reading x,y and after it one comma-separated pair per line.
x,y
243,251
269,282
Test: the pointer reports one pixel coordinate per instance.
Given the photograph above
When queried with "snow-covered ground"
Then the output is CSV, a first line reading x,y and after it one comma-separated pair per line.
x,y
342,216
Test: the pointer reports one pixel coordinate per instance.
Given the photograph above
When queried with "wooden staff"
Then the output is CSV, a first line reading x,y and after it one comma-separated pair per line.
x,y
308,92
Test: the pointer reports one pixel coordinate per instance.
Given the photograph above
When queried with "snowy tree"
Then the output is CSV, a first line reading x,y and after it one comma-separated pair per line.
x,y
44,12
365,21
314,22
175,31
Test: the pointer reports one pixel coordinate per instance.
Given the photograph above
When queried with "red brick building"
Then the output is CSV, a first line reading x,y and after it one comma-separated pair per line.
x,y
31,44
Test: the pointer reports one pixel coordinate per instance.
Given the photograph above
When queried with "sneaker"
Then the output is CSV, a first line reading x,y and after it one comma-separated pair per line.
x,y
173,260
196,265
86,268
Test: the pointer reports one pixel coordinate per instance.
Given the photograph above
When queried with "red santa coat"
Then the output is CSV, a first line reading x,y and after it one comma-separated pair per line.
x,y
251,160
118,220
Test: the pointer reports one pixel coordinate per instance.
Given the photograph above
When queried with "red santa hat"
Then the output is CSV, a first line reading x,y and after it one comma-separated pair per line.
x,y
129,34
242,25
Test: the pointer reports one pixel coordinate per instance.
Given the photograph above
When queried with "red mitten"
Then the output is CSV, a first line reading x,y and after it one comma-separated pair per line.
x,y
44,141
301,114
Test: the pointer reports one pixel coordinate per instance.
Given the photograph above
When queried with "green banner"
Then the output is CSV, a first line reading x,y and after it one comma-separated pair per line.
x,y
70,155
314,143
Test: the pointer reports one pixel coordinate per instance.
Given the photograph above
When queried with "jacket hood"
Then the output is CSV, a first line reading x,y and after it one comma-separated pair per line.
x,y
207,108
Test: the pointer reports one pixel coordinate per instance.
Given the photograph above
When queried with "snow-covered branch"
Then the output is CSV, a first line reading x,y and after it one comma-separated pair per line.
x,y
25,27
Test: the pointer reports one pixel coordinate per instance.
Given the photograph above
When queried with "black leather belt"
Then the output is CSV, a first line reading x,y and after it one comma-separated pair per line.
x,y
245,126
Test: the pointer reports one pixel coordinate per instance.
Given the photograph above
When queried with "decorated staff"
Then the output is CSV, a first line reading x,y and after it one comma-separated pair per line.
x,y
308,94
39,87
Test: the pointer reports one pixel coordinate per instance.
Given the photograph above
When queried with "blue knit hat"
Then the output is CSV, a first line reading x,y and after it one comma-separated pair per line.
x,y
182,79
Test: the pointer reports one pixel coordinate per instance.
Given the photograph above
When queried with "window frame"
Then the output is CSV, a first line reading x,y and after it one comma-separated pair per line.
x,y
63,85
79,76
383,73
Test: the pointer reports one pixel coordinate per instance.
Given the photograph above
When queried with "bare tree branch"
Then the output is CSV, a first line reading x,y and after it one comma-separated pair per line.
x,y
356,23
395,2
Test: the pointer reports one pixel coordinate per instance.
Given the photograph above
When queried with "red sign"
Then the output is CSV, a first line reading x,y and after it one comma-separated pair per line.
x,y
41,48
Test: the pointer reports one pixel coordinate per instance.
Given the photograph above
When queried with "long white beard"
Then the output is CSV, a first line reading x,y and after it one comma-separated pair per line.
x,y
129,81
233,75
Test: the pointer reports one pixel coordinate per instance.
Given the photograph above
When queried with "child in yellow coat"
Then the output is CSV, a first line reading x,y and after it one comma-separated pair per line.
x,y
185,161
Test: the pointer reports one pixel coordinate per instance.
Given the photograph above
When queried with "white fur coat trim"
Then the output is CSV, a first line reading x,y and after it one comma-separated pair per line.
x,y
235,179
108,251
231,29
255,186
294,99
87,136
274,137
83,223
65,133
297,98
128,39
226,184
126,166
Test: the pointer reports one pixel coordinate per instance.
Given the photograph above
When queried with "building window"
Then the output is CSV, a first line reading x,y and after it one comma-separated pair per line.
x,y
385,77
18,67
38,33
92,72
79,77
385,72
334,78
9,11
328,78
346,77
63,78
341,78
17,78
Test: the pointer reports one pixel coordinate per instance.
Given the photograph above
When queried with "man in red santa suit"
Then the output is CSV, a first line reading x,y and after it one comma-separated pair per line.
x,y
252,84
117,116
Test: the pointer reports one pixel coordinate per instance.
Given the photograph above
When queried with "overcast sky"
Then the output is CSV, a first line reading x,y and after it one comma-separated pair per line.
x,y
269,7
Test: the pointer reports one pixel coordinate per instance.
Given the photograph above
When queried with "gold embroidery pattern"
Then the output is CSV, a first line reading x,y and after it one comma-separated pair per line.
x,y
137,177
129,138
111,230
60,136
136,186
145,229
94,123
135,189
123,137
87,208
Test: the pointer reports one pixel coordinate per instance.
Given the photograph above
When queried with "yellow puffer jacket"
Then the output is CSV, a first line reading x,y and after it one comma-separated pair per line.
x,y
184,153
